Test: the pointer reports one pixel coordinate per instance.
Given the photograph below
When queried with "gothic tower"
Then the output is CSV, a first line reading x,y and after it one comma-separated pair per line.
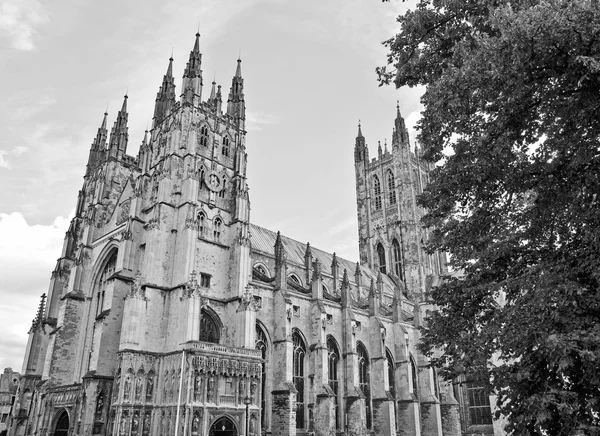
x,y
391,237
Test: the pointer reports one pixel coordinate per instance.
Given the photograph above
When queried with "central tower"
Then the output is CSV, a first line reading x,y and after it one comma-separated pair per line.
x,y
391,236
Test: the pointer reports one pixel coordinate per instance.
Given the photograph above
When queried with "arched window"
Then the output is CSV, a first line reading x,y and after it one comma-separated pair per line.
x,y
334,360
392,382
435,390
261,269
363,380
224,188
261,344
204,136
391,187
150,386
381,256
298,376
377,192
295,279
397,258
414,376
202,172
201,224
225,149
107,273
209,328
217,229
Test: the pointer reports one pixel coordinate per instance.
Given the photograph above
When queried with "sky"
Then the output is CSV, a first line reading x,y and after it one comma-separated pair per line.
x,y
309,77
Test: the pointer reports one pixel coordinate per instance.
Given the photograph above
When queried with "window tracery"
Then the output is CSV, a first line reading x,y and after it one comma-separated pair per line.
x,y
298,377
363,380
377,192
381,256
391,187
333,366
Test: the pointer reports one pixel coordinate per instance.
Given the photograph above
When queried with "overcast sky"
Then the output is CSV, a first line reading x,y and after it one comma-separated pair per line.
x,y
309,76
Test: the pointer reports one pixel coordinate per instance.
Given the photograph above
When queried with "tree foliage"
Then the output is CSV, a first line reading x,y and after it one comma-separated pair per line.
x,y
512,118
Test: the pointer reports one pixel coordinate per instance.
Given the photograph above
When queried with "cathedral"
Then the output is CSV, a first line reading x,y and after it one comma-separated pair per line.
x,y
169,313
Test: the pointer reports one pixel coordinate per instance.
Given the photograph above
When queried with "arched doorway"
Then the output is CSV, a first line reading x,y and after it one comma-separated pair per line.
x,y
62,425
223,427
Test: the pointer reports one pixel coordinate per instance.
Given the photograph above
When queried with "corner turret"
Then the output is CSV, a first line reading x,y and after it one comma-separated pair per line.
x,y
119,135
98,148
165,98
236,106
191,87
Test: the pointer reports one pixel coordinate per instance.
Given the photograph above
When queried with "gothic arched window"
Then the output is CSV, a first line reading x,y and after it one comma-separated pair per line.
x,y
333,366
298,376
107,273
397,258
209,328
381,256
225,149
217,229
204,136
222,191
377,192
392,382
295,279
261,344
414,376
363,380
391,187
201,224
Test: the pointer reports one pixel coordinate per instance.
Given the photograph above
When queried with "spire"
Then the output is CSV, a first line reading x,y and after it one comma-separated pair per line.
x,y
119,136
192,69
385,145
191,87
238,70
236,106
360,148
165,98
379,148
213,92
98,147
399,133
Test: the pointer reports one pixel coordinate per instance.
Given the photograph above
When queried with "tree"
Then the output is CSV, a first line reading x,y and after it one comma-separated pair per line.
x,y
512,119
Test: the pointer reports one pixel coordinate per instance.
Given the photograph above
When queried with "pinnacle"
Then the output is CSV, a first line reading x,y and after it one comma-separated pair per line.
x,y
124,107
170,68
360,135
103,126
197,43
238,70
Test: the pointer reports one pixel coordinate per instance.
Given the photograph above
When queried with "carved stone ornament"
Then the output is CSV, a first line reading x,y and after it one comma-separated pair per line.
x,y
136,288
213,181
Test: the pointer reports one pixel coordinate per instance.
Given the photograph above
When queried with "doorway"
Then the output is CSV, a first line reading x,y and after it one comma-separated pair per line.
x,y
223,427
62,425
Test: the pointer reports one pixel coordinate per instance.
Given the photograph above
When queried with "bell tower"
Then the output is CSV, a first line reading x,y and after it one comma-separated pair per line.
x,y
391,236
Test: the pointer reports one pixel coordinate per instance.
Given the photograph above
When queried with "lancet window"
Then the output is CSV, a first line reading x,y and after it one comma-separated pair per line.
x,y
414,376
377,192
224,189
298,377
397,258
392,382
225,146
391,187
217,229
201,224
381,256
204,136
109,270
261,344
363,380
209,329
334,384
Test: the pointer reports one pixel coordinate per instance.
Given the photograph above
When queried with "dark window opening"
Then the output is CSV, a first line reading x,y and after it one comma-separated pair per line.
x,y
381,256
298,377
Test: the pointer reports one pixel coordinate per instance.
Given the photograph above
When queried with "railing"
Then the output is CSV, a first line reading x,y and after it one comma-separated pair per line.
x,y
228,400
224,349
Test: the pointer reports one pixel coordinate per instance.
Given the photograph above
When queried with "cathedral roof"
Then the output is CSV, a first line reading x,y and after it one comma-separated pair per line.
x,y
263,240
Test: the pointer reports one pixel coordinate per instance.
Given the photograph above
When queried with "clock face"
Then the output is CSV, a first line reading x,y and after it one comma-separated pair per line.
x,y
213,181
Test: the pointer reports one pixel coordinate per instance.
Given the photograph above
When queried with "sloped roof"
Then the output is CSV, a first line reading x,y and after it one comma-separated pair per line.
x,y
263,240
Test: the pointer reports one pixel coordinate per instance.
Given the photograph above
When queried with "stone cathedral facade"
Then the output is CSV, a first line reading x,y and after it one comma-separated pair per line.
x,y
170,313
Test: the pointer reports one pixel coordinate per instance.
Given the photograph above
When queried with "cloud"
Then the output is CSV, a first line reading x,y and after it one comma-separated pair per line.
x,y
18,19
19,150
31,106
256,121
27,254
3,162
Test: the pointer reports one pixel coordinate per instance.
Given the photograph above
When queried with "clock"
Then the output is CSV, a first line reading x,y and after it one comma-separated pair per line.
x,y
213,181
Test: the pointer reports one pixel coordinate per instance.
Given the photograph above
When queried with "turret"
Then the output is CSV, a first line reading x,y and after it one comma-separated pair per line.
x,y
400,133
119,134
191,88
98,148
236,106
361,153
165,98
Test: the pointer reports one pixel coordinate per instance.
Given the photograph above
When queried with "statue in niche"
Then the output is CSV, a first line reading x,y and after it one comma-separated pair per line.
x,y
99,406
127,387
168,423
196,423
253,425
149,387
242,389
198,387
173,382
146,424
211,390
138,387
117,384
253,386
135,423
123,425
163,424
